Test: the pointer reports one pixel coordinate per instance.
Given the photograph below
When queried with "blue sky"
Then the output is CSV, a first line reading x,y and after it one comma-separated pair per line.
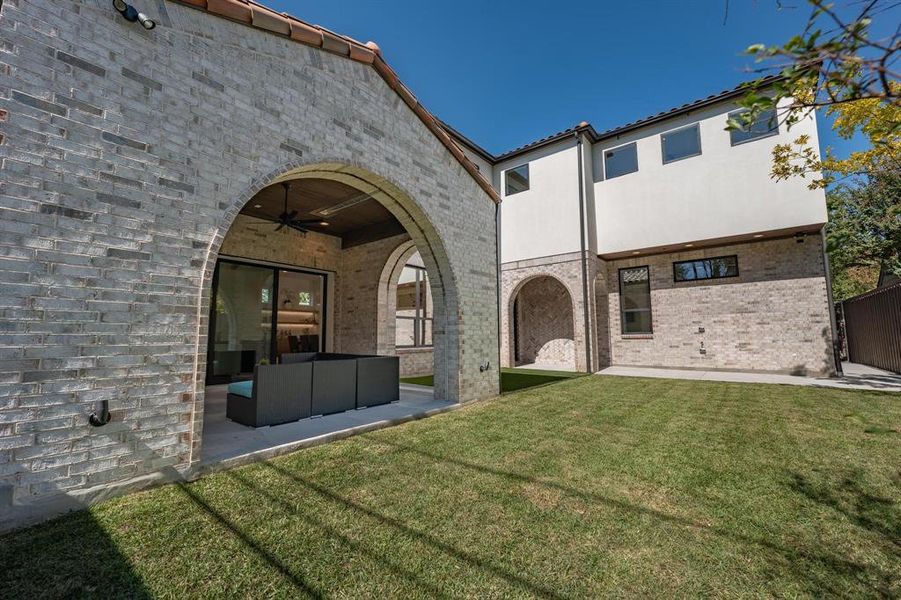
x,y
507,73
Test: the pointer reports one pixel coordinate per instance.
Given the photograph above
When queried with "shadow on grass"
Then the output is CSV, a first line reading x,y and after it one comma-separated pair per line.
x,y
72,557
336,534
797,559
461,555
277,565
849,498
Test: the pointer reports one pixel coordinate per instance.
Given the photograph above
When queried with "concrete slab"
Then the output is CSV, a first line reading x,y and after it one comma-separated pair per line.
x,y
856,377
228,444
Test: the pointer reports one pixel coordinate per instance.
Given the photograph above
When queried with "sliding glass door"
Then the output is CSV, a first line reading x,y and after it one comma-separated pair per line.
x,y
259,313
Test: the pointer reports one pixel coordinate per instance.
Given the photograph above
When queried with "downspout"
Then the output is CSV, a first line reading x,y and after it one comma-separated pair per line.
x,y
836,343
497,254
582,236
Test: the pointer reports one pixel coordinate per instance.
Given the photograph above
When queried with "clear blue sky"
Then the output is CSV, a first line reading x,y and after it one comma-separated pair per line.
x,y
507,73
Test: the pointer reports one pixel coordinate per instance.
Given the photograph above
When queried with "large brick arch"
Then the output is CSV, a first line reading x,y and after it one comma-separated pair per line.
x,y
424,237
173,137
545,319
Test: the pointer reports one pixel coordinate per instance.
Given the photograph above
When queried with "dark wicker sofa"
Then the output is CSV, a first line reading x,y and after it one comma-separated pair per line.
x,y
313,383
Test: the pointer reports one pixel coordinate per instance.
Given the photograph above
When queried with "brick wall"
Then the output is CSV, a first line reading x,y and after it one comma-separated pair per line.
x,y
773,317
544,324
126,154
566,269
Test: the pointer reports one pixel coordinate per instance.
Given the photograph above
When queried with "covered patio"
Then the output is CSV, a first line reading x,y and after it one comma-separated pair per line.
x,y
228,444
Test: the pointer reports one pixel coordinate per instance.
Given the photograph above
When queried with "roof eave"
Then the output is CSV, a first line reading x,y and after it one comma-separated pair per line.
x,y
263,18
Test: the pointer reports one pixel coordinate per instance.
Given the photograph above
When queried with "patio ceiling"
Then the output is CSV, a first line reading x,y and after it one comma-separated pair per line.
x,y
352,216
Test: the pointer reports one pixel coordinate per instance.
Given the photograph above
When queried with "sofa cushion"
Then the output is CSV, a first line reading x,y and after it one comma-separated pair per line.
x,y
241,388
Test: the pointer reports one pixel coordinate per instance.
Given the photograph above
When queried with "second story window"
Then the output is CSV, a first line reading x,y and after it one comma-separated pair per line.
x,y
620,161
516,180
765,125
681,143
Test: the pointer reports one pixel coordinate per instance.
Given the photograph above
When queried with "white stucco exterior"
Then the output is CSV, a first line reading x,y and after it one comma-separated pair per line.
x,y
725,191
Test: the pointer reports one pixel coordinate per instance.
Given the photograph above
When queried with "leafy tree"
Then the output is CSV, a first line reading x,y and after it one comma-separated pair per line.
x,y
834,64
864,232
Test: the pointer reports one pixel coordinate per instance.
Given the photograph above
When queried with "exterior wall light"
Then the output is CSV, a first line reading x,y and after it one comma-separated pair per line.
x,y
130,13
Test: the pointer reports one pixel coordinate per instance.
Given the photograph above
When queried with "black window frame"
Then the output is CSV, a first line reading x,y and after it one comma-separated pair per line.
x,y
761,136
607,175
421,312
622,312
528,179
696,126
697,260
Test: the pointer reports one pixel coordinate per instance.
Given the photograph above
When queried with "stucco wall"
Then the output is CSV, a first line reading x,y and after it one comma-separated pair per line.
x,y
126,155
543,220
725,191
773,317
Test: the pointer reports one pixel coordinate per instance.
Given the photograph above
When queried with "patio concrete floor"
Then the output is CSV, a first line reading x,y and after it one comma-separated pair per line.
x,y
856,377
228,444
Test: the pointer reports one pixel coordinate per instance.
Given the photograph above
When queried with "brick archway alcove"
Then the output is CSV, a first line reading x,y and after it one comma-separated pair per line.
x,y
424,238
542,327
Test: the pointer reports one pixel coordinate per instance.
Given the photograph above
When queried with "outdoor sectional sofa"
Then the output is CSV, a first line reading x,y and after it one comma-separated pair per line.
x,y
308,384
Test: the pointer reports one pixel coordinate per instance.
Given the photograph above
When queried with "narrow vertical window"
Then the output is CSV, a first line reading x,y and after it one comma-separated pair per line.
x,y
414,308
635,300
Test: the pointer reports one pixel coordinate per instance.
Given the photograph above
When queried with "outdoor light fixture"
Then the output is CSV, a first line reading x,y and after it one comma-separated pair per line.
x,y
130,13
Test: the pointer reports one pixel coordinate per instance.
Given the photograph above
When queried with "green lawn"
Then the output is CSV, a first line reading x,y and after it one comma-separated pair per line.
x,y
511,379
591,486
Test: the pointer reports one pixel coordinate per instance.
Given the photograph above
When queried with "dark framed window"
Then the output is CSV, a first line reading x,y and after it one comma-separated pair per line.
x,y
516,179
620,161
765,125
706,268
259,312
635,300
413,322
684,142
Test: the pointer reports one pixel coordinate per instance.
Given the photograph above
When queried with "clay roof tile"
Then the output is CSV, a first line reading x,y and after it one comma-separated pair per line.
x,y
264,18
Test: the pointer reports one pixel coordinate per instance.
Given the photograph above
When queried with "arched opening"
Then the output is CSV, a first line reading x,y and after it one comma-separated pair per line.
x,y
541,324
299,267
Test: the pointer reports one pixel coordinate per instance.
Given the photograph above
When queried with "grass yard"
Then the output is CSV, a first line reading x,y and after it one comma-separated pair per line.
x,y
511,379
591,486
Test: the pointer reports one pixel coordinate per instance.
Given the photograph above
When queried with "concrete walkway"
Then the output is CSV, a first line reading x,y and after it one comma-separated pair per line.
x,y
228,444
856,377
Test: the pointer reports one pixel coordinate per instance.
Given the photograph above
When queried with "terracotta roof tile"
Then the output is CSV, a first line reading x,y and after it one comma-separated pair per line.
x,y
266,19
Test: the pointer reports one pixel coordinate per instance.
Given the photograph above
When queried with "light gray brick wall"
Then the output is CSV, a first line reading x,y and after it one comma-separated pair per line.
x,y
543,312
567,269
773,317
126,154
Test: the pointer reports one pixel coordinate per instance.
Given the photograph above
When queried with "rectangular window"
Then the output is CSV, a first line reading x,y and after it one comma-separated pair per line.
x,y
621,161
765,125
681,143
706,268
635,300
413,322
516,179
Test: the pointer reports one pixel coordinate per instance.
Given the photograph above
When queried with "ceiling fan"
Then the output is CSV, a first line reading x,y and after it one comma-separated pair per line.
x,y
288,219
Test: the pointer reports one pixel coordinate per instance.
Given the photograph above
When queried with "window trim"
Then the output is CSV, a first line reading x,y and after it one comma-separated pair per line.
x,y
604,152
507,192
681,262
697,126
622,313
753,139
419,321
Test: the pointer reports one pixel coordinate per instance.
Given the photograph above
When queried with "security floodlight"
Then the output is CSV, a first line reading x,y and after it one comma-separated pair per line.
x,y
131,14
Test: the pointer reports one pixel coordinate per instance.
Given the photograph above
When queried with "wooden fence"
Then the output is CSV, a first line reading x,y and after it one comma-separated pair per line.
x,y
873,328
